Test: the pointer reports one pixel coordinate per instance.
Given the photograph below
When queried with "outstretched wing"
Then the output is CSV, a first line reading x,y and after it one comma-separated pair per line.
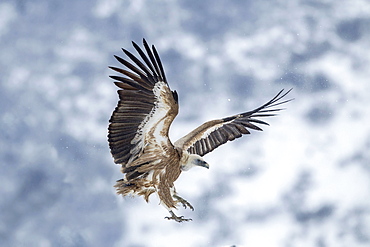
x,y
213,134
146,106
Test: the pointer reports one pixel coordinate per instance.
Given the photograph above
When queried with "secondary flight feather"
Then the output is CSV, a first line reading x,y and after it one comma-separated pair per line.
x,y
139,126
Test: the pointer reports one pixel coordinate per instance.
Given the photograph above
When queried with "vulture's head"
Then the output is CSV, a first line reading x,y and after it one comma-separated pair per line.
x,y
193,160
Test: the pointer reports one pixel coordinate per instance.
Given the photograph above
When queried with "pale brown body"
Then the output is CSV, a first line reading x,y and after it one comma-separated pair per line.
x,y
163,177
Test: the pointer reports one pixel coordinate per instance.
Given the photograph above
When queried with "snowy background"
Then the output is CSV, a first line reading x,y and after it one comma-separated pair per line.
x,y
304,181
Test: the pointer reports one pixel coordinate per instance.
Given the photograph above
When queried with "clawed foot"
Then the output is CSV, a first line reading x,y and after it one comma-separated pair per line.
x,y
184,202
176,218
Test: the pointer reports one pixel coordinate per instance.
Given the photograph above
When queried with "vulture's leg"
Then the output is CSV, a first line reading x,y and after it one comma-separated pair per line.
x,y
176,218
184,202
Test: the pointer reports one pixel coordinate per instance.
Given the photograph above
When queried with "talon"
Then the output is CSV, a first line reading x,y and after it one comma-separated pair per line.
x,y
176,218
184,202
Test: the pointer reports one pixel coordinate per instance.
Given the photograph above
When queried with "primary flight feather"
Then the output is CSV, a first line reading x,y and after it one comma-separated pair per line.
x,y
139,126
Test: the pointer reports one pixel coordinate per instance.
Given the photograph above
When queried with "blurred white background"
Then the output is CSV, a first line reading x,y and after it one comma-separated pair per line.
x,y
304,181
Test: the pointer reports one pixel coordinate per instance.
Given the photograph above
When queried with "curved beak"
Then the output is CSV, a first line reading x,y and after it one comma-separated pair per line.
x,y
204,164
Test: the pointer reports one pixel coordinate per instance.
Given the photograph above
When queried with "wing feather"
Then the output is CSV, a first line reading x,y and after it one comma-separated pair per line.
x,y
213,134
154,61
145,110
149,75
159,63
146,60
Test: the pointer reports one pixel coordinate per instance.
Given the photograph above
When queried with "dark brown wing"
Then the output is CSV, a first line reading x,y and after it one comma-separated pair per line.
x,y
146,106
213,134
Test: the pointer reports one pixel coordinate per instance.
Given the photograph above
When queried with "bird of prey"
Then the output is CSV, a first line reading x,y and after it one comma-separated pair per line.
x,y
138,131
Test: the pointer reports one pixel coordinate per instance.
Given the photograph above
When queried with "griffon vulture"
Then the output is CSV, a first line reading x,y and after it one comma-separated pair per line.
x,y
138,131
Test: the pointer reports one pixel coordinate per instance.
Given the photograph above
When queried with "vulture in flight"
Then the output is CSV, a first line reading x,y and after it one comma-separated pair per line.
x,y
138,131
